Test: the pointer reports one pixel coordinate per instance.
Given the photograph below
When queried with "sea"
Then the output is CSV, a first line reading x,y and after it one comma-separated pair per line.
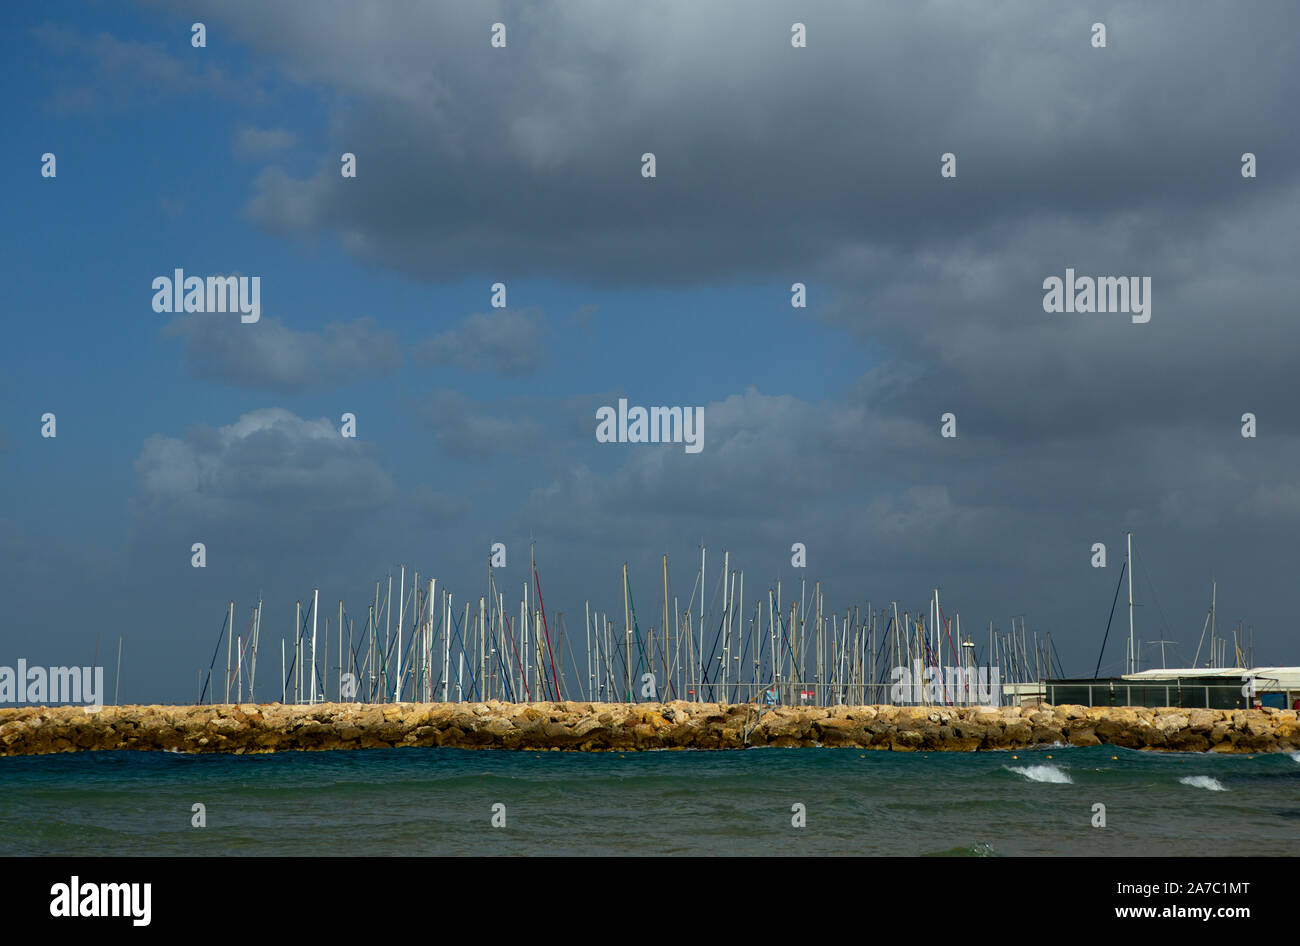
x,y
1096,801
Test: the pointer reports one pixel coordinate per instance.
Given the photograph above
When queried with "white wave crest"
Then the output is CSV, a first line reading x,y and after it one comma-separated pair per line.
x,y
1042,773
1203,781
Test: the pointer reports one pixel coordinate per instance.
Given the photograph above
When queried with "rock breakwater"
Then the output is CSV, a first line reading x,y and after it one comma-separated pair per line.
x,y
620,727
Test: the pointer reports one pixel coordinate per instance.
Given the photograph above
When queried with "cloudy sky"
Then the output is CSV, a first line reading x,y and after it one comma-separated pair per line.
x,y
522,165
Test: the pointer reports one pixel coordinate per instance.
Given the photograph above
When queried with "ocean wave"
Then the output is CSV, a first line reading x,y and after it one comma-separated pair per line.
x,y
978,849
1203,781
1042,773
1295,757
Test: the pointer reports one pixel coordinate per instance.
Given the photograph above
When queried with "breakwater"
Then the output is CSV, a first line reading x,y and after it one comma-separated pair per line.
x,y
250,728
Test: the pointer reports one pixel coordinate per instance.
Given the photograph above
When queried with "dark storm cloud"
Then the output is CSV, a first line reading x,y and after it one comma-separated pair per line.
x,y
966,331
768,156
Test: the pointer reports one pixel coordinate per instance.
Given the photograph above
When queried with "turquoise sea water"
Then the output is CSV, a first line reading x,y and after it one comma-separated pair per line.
x,y
440,801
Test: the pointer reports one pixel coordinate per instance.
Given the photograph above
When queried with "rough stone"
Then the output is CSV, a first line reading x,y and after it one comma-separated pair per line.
x,y
585,726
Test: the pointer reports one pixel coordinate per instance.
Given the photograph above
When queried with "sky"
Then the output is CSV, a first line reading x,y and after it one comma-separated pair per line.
x,y
522,165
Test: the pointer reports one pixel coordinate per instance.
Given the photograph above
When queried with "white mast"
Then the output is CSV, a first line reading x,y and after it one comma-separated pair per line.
x,y
777,615
771,627
1214,660
446,645
401,613
668,663
699,656
1132,657
627,636
297,652
252,667
740,629
728,583
315,600
482,649
388,630
230,633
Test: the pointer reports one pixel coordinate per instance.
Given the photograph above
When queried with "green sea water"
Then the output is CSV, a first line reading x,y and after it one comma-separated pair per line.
x,y
441,802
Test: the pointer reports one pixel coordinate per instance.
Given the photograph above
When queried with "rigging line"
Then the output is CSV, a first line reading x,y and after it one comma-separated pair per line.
x,y
541,605
947,629
704,672
641,661
577,674
316,673
618,661
224,619
246,646
296,644
884,639
713,650
498,648
690,604
1059,669
744,649
505,671
412,668
438,628
934,665
1118,584
1155,597
357,664
470,663
509,635
785,639
515,650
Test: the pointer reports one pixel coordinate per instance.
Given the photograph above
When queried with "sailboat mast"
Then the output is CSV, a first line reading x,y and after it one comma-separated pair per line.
x,y
1214,597
668,671
297,652
229,636
315,600
627,635
1132,657
446,645
401,614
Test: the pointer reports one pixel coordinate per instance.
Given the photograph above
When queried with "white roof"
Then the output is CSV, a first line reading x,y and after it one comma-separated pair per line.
x,y
1267,678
